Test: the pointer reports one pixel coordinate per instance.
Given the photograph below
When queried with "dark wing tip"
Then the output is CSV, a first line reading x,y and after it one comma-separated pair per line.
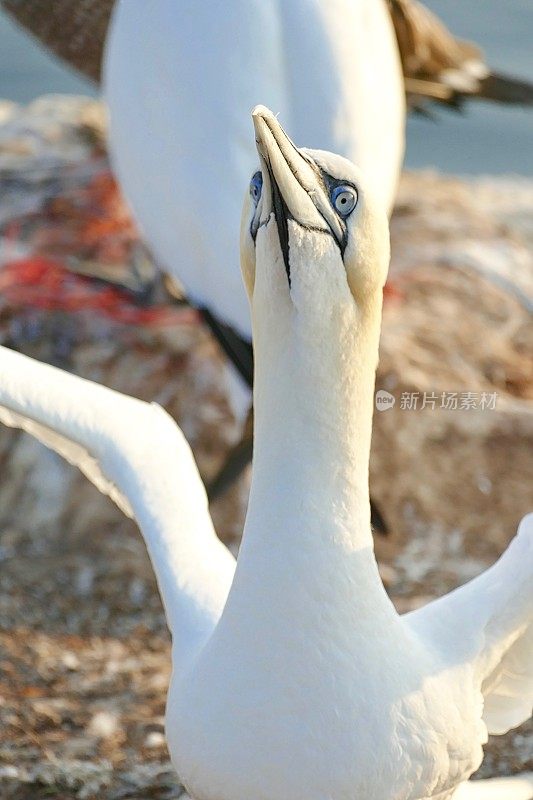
x,y
75,30
505,89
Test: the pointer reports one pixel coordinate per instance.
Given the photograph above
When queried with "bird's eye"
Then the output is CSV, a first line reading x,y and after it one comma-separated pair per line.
x,y
256,185
344,198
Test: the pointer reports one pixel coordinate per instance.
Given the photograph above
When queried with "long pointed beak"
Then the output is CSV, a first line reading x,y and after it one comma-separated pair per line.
x,y
292,186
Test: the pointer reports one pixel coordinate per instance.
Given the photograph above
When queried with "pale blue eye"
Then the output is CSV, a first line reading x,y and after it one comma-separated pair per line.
x,y
256,185
344,199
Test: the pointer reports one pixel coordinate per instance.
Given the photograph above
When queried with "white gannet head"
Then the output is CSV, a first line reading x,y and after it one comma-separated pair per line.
x,y
311,227
314,254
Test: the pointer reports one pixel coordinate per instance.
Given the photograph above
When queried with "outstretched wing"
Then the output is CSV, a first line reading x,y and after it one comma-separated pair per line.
x,y
135,453
487,625
439,67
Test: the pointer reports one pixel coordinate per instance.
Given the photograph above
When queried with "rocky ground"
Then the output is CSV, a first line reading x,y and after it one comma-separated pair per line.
x,y
84,651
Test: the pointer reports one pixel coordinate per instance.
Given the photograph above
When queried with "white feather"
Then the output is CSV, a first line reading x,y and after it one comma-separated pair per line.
x,y
71,451
485,628
135,453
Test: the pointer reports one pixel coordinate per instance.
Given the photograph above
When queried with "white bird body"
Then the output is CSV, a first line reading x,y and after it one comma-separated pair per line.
x,y
294,677
180,80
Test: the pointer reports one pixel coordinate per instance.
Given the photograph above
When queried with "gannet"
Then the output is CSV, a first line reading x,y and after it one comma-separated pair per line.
x,y
293,674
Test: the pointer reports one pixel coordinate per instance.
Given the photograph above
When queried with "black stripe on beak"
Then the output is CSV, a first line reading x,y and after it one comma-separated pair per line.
x,y
282,215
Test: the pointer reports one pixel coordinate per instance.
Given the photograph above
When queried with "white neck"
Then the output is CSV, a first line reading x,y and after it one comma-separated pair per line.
x,y
309,511
313,416
316,355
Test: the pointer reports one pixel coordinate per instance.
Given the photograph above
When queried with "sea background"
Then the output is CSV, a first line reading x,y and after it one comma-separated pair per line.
x,y
483,139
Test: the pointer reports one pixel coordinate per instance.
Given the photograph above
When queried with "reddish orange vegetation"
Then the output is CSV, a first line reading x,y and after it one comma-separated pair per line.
x,y
44,283
92,219
86,228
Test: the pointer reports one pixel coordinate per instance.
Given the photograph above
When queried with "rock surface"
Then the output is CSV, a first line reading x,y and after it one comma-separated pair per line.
x,y
455,449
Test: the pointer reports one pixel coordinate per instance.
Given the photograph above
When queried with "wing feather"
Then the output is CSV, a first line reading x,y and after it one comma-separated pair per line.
x,y
135,453
437,66
72,452
487,626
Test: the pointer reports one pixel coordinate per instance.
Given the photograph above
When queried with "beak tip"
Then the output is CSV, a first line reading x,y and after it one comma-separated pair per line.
x,y
260,114
261,111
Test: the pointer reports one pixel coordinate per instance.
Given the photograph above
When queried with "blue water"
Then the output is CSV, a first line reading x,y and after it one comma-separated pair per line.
x,y
485,139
